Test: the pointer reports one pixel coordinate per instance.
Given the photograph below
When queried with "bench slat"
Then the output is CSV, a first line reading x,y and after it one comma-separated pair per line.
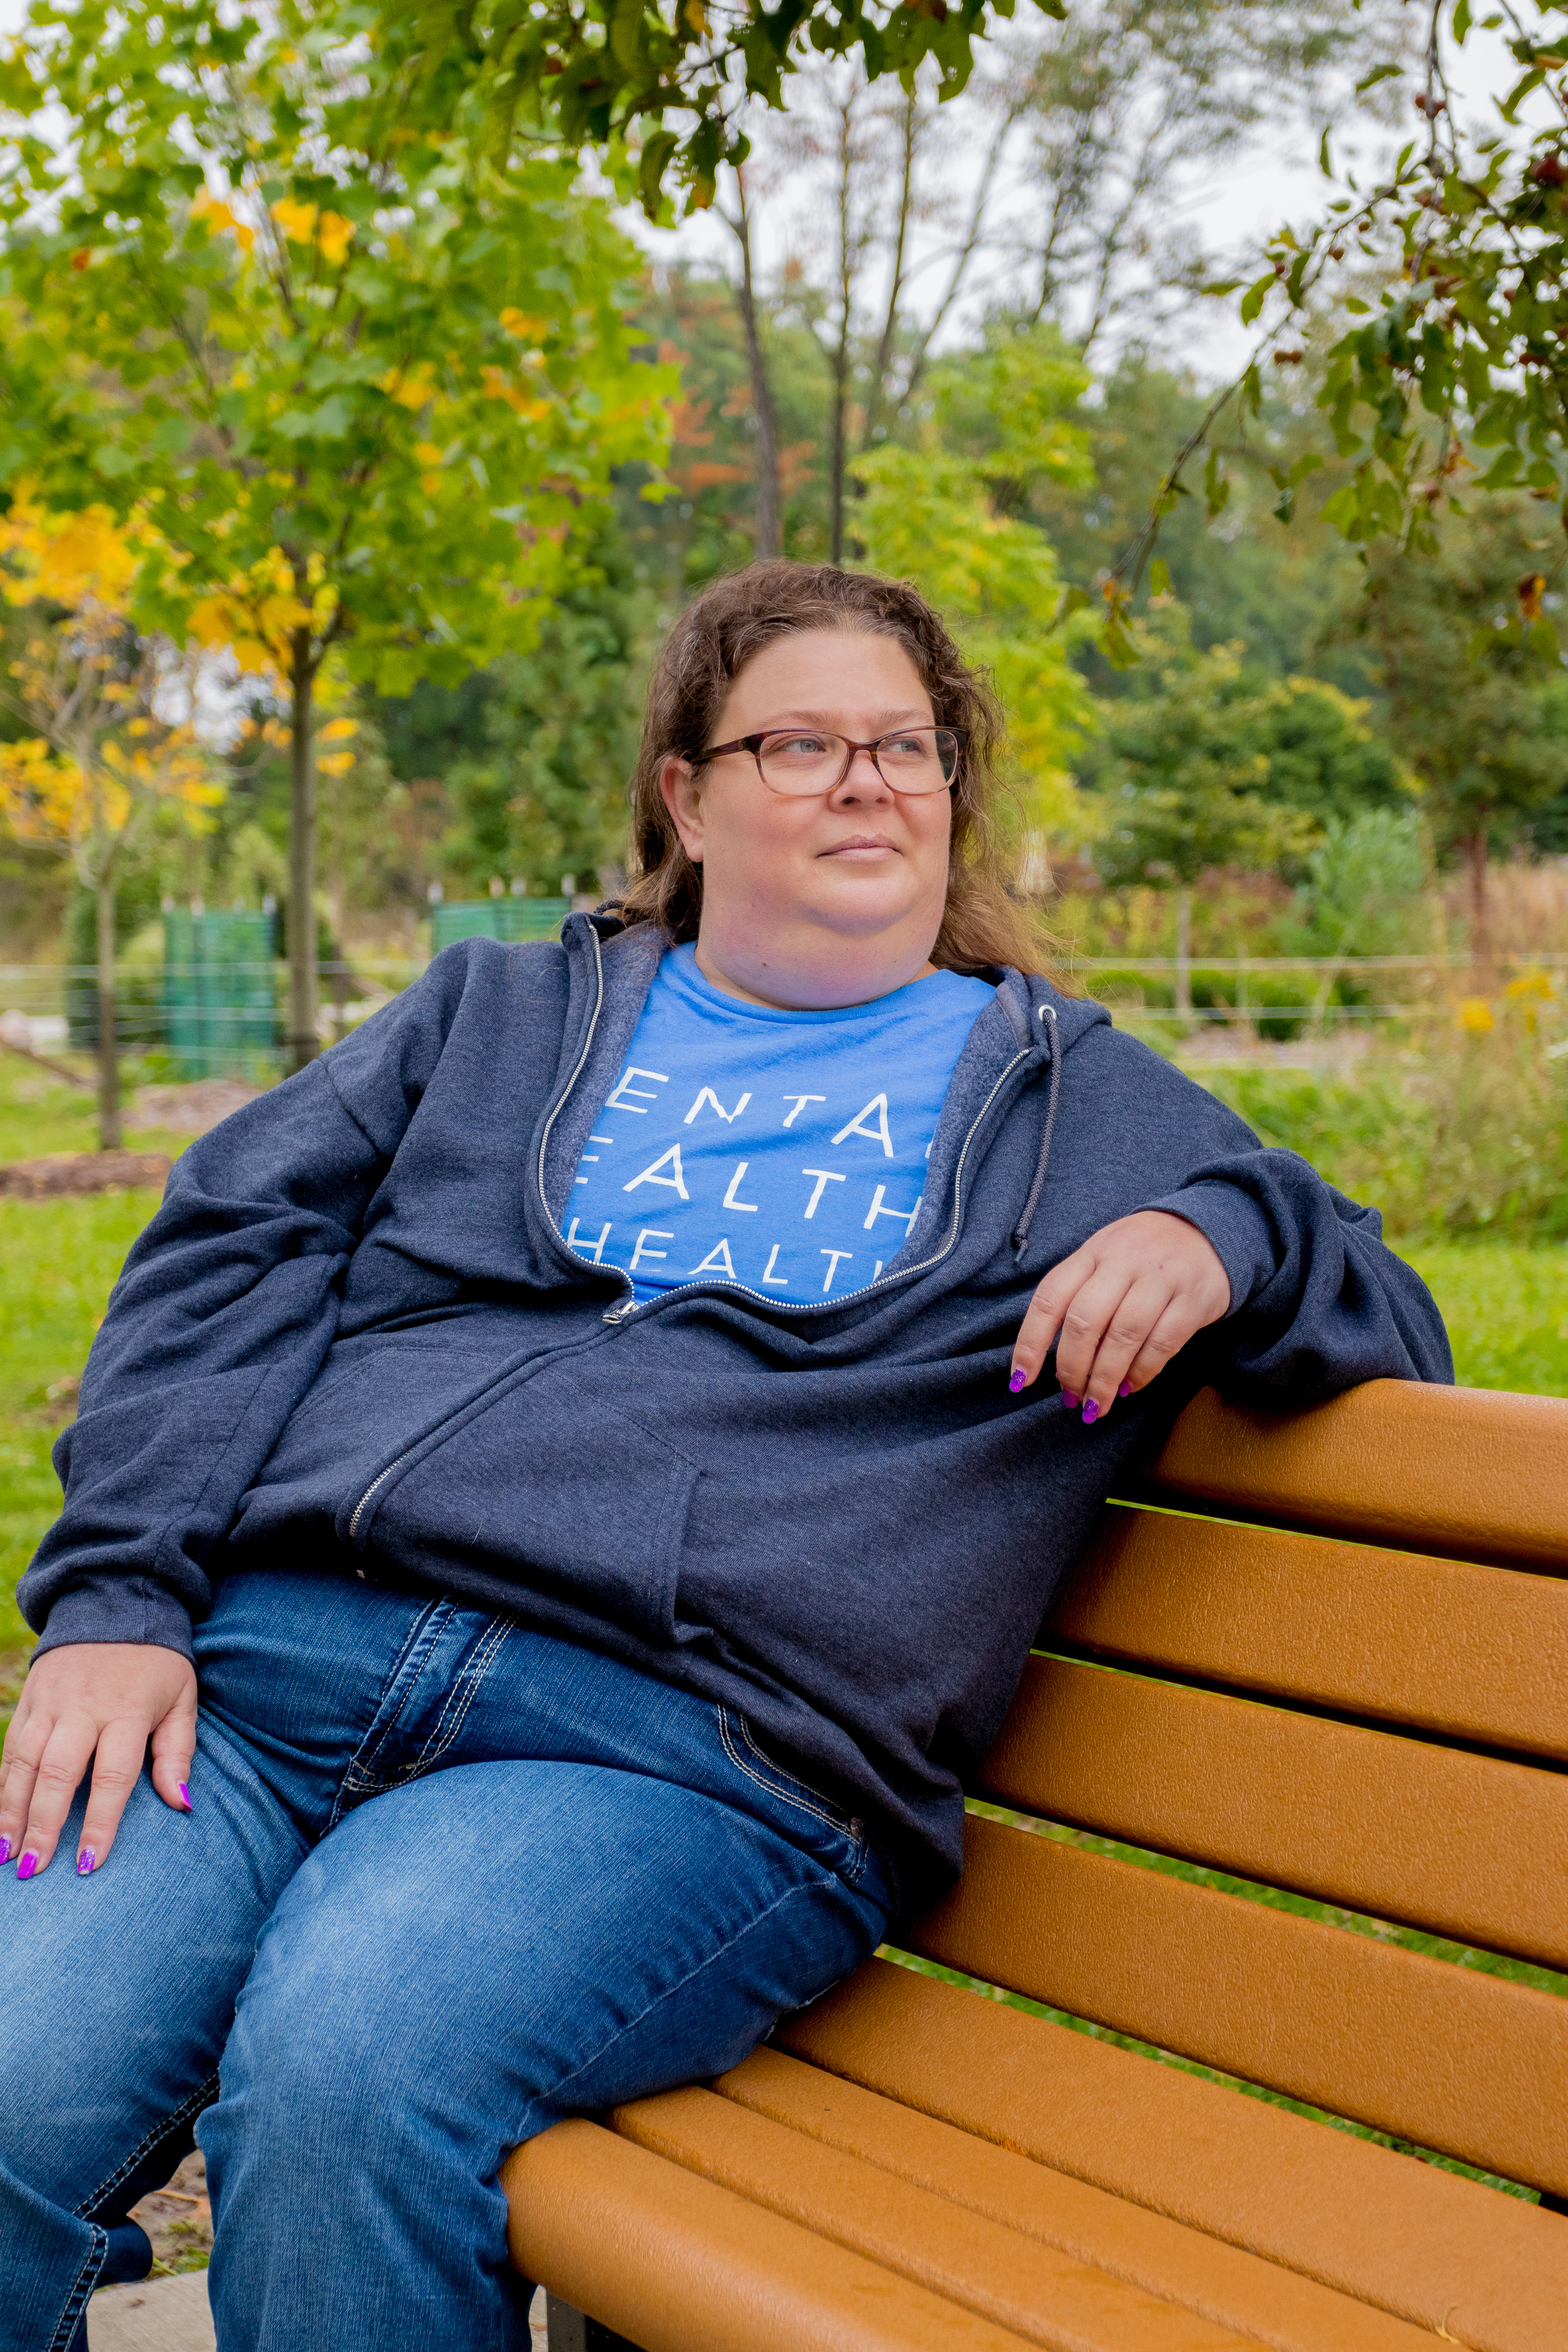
x,y
670,2261
1218,2282
1470,2065
1034,2290
1475,1473
1425,2244
1445,1840
1477,1653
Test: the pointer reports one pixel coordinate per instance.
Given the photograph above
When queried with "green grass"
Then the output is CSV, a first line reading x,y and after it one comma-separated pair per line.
x,y
57,1263
1506,1307
40,1113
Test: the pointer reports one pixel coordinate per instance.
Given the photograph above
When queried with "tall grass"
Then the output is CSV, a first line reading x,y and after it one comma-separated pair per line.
x,y
1452,1130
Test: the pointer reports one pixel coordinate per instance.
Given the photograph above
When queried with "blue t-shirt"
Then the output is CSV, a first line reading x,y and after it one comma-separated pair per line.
x,y
783,1150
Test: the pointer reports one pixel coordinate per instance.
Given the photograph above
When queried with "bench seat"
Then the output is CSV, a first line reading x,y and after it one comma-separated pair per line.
x,y
1361,1702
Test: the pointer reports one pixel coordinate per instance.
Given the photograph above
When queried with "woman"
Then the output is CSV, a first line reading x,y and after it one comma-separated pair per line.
x,y
592,1444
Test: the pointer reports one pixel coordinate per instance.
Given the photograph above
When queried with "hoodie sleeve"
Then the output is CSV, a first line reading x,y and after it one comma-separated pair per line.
x,y
1319,1303
218,1324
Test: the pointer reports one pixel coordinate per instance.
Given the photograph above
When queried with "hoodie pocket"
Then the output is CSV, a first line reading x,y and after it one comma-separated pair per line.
x,y
547,1483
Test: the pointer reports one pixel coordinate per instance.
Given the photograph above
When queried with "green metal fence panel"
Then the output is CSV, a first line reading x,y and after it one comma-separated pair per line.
x,y
509,918
220,1011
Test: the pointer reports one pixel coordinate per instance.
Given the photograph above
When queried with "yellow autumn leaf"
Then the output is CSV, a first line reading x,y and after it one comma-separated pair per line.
x,y
428,453
335,763
411,386
38,792
1475,1014
334,235
216,214
524,326
73,558
497,388
338,730
296,221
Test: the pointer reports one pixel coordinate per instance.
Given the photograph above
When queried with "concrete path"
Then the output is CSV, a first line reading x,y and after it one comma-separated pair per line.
x,y
167,2315
171,2315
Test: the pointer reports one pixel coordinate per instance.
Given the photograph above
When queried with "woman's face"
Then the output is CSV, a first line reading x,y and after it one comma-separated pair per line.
x,y
832,900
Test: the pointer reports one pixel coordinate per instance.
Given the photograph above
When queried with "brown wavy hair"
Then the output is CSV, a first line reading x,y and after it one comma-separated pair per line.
x,y
726,626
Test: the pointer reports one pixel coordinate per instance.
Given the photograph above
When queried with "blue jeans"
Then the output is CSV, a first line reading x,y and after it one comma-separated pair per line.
x,y
444,1881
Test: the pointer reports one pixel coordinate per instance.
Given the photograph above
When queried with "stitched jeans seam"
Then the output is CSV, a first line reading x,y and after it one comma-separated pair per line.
x,y
463,1695
359,1781
784,1794
194,2104
81,2287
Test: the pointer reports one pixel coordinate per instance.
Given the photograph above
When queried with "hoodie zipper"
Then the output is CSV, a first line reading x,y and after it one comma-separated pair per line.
x,y
619,1315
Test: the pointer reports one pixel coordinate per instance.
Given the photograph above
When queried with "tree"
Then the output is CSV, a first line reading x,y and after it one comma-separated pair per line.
x,y
1363,880
107,755
938,515
1470,700
360,383
1119,109
1184,791
1452,374
611,78
546,796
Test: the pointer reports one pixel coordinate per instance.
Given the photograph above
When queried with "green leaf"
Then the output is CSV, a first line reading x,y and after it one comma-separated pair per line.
x,y
1461,21
1253,300
1159,577
1324,165
1378,73
1342,510
1118,647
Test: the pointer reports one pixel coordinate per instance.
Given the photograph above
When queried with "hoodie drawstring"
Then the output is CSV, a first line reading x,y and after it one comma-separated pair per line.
x,y
1021,1237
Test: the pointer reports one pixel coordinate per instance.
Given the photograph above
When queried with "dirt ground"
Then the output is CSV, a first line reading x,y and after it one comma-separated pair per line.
x,y
179,2220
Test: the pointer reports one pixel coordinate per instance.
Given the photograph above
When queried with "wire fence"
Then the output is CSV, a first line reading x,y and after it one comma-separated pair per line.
x,y
225,1015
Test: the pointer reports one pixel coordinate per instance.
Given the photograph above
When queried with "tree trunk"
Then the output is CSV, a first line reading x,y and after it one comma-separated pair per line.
x,y
887,342
840,432
302,1042
109,1130
1184,952
767,538
1475,879
841,356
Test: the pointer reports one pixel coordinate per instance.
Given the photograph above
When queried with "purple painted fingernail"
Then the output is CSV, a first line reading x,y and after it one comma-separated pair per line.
x,y
1125,1390
186,1795
1069,1399
5,1849
1017,1383
1092,1411
26,1866
86,1863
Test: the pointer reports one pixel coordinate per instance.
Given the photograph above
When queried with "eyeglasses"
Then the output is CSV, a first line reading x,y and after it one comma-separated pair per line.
x,y
802,760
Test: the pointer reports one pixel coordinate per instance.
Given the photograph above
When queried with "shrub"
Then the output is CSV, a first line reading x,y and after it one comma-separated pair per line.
x,y
1458,1128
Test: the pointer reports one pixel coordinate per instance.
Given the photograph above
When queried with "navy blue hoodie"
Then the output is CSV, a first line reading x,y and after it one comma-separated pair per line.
x,y
353,1337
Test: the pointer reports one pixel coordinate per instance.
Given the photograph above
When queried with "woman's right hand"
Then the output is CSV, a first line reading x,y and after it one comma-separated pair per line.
x,y
87,1701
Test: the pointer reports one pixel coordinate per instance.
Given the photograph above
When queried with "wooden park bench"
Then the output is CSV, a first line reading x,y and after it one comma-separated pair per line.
x,y
1326,1654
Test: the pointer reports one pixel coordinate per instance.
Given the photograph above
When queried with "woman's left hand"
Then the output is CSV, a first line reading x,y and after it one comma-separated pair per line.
x,y
1123,1305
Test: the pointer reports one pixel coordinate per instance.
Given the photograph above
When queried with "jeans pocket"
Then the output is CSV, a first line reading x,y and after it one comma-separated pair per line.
x,y
804,1813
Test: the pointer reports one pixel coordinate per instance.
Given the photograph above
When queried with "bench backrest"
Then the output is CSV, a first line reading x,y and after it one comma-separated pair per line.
x,y
1326,1654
